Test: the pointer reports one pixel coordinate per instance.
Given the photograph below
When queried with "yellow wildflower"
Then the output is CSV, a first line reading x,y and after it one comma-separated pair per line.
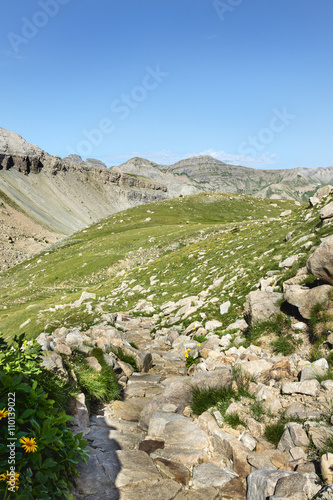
x,y
4,413
28,444
9,477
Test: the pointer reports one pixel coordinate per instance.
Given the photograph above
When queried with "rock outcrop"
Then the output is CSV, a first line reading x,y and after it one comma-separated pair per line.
x,y
321,261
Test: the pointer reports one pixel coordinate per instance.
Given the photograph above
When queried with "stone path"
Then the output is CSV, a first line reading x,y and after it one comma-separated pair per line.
x,y
120,466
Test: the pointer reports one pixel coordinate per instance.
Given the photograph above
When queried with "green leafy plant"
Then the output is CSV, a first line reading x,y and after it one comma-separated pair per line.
x,y
191,361
45,450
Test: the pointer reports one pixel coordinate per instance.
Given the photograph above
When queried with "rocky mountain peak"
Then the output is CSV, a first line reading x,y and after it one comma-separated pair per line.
x,y
12,143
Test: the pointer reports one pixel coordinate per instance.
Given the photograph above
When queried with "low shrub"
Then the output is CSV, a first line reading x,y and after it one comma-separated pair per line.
x,y
44,453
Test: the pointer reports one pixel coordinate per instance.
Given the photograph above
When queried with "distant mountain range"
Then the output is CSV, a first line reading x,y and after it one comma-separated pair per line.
x,y
66,194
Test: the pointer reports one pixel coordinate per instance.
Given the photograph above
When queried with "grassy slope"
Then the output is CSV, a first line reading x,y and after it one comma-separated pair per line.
x,y
188,243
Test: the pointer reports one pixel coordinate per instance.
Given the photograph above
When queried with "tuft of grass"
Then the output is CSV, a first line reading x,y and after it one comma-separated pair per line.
x,y
284,344
257,410
126,358
200,338
102,386
133,344
254,332
221,396
234,420
273,432
205,398
326,376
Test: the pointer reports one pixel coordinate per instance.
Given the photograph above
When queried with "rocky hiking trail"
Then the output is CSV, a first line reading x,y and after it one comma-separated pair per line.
x,y
120,465
268,435
150,444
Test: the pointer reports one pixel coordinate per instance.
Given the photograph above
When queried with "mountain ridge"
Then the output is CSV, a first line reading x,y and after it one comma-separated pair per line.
x,y
63,195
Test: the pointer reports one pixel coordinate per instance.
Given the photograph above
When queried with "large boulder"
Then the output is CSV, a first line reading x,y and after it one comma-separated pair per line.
x,y
320,263
261,483
327,211
305,298
261,306
320,194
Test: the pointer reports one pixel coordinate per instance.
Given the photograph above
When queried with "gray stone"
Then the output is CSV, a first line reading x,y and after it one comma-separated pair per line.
x,y
256,367
320,263
84,297
261,483
53,361
173,470
289,262
320,436
230,447
204,493
185,435
310,371
207,474
306,485
224,308
178,393
213,324
326,467
159,420
262,460
309,388
327,211
164,489
305,298
81,414
133,466
248,441
327,385
326,493
261,306
298,435
74,338
183,456
239,324
93,363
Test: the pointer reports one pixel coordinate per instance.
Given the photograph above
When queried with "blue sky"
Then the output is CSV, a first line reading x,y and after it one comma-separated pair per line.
x,y
247,81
